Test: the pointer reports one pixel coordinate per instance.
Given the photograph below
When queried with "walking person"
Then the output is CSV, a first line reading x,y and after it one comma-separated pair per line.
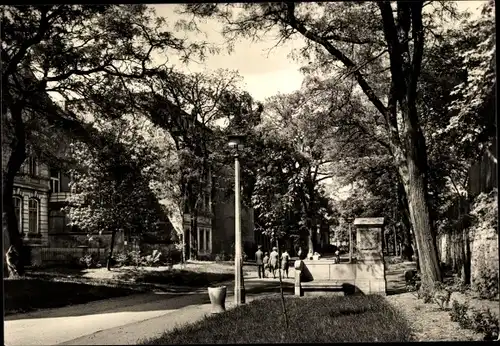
x,y
337,256
259,260
285,257
273,261
265,261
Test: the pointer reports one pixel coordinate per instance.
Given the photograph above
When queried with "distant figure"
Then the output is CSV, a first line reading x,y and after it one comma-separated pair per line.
x,y
265,261
337,256
273,261
259,256
284,262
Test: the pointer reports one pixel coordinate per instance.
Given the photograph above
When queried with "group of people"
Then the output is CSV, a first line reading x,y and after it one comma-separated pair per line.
x,y
270,262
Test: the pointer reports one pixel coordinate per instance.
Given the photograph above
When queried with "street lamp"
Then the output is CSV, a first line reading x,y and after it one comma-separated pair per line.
x,y
236,143
349,220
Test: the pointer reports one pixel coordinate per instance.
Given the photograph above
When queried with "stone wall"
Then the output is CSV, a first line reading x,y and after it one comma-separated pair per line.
x,y
484,256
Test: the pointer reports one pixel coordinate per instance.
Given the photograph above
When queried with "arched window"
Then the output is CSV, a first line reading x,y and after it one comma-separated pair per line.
x,y
18,210
34,213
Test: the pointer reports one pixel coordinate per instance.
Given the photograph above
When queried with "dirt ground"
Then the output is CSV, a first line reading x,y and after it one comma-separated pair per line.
x,y
428,322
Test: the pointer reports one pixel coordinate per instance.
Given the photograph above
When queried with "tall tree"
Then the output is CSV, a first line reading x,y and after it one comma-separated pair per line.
x,y
191,105
380,44
92,52
122,185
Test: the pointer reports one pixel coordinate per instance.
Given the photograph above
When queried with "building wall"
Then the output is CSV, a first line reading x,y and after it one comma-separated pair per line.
x,y
216,223
223,228
34,187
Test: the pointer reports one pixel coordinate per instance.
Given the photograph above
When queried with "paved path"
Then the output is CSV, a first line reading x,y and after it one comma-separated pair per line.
x,y
123,320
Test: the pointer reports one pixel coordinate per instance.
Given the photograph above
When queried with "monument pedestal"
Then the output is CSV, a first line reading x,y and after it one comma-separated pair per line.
x,y
370,268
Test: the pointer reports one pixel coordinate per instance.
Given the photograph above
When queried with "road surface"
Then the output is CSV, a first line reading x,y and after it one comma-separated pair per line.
x,y
122,320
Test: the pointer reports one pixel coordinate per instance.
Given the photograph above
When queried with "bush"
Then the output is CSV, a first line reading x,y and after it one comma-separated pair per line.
x,y
413,281
425,294
135,258
458,285
121,259
458,314
484,260
88,261
221,257
486,283
151,260
481,321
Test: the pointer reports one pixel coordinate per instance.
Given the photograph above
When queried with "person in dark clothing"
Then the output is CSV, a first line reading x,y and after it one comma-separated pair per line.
x,y
259,255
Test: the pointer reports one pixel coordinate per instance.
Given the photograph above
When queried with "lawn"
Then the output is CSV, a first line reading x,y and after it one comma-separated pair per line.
x,y
28,294
191,275
58,287
318,319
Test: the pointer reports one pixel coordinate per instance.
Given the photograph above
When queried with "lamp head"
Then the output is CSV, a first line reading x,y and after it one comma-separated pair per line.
x,y
236,141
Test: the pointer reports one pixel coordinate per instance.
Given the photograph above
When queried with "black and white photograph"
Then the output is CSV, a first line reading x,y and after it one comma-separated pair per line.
x,y
249,172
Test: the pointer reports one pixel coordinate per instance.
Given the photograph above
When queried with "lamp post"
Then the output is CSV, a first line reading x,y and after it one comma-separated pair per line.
x,y
349,220
236,143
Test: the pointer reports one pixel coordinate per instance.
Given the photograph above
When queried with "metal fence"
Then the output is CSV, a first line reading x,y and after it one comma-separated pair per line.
x,y
47,255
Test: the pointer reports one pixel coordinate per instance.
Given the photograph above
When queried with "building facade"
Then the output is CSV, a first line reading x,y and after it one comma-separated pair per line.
x,y
40,193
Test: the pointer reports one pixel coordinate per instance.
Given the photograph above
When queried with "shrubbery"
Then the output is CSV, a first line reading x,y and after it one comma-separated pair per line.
x,y
485,221
481,321
134,258
88,261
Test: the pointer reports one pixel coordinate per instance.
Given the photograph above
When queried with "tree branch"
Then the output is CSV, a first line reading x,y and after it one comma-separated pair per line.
x,y
418,48
294,23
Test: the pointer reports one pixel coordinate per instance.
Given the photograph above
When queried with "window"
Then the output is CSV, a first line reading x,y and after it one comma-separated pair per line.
x,y
65,182
204,244
201,242
18,210
58,221
33,208
208,240
32,166
55,181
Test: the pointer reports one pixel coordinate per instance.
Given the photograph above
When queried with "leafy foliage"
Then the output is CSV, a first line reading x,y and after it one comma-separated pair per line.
x,y
477,50
88,261
120,185
481,321
153,259
95,53
485,211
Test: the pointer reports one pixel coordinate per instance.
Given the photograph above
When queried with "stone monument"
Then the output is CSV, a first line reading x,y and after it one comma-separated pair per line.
x,y
370,271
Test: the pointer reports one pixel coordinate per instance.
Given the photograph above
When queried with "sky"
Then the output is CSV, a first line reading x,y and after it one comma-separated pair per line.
x,y
265,74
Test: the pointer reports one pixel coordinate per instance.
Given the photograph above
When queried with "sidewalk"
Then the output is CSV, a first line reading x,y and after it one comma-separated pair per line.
x,y
131,334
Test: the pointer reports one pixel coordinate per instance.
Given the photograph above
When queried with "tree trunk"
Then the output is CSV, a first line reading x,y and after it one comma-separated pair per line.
x,y
419,213
310,244
467,258
10,222
285,316
111,247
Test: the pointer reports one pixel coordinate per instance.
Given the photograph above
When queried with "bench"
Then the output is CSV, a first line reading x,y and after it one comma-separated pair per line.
x,y
349,278
320,280
322,286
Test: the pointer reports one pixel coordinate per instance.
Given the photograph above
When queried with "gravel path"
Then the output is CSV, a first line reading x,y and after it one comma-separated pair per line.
x,y
428,322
